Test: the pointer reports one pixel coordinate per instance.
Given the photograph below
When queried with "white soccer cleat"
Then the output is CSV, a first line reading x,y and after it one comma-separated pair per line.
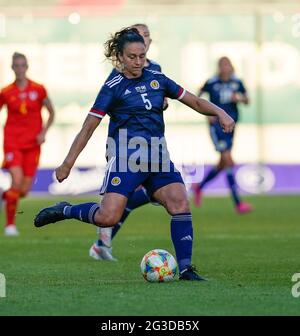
x,y
11,230
95,252
101,253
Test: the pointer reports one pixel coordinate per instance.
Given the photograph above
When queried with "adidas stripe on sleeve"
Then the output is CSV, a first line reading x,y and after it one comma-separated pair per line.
x,y
105,98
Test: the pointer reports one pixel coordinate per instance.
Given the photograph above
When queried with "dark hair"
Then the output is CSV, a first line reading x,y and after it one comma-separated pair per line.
x,y
18,55
115,45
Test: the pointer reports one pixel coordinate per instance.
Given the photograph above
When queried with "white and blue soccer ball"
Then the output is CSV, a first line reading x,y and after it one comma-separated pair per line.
x,y
158,266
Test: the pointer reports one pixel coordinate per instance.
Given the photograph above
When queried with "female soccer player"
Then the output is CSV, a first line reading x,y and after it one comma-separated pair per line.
x,y
226,91
24,133
136,147
102,247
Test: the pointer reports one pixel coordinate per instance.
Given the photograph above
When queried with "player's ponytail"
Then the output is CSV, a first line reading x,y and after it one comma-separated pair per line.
x,y
115,45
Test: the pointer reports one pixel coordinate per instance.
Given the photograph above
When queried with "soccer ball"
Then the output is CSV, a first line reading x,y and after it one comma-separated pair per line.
x,y
158,266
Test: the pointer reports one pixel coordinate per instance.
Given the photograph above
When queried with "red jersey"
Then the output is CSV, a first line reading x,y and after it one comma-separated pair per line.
x,y
24,117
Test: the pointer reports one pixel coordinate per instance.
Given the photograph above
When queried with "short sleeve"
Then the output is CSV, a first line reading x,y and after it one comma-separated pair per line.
x,y
242,88
205,87
158,67
173,90
44,93
102,103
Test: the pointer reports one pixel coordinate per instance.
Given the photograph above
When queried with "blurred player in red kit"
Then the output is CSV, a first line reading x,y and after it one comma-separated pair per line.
x,y
24,133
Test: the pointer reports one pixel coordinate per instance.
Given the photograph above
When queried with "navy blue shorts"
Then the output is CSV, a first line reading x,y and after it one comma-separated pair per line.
x,y
222,141
125,183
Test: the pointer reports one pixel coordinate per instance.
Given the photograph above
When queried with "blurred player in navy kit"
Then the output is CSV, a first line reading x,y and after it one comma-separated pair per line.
x,y
101,249
226,91
134,101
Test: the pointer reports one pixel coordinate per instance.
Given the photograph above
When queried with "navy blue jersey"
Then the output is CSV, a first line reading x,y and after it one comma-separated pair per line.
x,y
220,93
135,104
153,66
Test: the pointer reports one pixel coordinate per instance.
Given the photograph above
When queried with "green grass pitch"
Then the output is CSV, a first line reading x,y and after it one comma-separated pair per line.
x,y
249,261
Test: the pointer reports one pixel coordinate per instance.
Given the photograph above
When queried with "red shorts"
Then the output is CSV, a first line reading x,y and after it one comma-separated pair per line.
x,y
27,159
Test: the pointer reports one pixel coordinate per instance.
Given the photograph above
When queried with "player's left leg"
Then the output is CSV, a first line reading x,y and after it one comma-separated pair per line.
x,y
167,187
25,186
174,198
241,207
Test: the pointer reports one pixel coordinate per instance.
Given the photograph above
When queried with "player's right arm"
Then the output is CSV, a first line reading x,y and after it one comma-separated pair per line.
x,y
80,141
101,106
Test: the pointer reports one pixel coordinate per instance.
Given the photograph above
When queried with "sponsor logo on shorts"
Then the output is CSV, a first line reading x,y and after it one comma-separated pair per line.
x,y
222,145
154,84
115,181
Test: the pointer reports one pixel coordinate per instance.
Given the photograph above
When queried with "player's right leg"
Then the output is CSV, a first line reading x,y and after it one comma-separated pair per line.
x,y
12,162
106,214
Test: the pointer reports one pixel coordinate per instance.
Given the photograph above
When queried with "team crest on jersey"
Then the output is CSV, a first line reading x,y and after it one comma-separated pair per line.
x,y
33,95
141,89
154,84
115,181
222,145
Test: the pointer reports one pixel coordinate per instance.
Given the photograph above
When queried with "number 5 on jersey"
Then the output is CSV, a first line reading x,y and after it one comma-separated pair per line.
x,y
147,102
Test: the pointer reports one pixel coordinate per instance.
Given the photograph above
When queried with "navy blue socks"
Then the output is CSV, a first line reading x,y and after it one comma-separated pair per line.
x,y
84,212
210,175
232,185
182,237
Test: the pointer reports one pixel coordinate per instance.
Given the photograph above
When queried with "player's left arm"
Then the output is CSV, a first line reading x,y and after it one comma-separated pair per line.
x,y
166,104
208,109
204,89
49,106
175,91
